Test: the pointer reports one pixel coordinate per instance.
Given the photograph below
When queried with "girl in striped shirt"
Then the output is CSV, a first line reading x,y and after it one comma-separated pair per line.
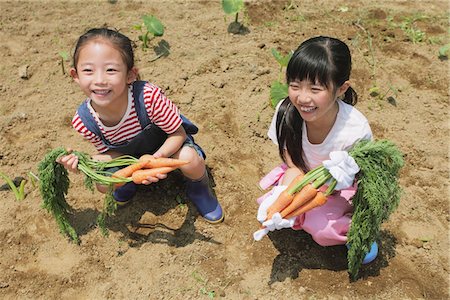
x,y
123,115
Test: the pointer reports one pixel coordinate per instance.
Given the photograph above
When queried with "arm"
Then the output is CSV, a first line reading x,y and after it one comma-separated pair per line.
x,y
70,161
173,143
292,171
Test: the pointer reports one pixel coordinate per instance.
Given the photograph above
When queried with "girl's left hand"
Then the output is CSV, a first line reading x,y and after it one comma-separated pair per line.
x,y
153,179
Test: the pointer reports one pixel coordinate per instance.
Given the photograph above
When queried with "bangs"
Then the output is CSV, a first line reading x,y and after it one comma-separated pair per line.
x,y
310,63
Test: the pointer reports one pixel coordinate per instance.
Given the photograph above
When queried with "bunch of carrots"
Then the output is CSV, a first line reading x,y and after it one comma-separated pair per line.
x,y
54,181
147,166
303,194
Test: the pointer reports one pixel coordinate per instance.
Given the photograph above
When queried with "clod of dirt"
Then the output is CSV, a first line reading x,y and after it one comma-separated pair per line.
x,y
23,72
237,28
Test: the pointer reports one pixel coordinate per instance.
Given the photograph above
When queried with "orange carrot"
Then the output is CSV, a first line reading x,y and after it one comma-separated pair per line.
x,y
307,193
284,198
318,200
164,162
127,171
141,175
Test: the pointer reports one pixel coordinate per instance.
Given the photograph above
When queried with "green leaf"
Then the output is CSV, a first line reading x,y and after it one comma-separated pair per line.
x,y
64,55
153,25
232,6
443,51
282,60
278,91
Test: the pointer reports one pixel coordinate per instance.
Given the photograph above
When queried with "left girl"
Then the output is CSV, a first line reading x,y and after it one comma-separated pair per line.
x,y
122,115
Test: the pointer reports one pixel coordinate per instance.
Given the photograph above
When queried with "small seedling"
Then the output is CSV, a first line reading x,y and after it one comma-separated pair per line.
x,y
413,33
375,92
279,89
444,51
210,293
233,7
64,57
150,28
17,185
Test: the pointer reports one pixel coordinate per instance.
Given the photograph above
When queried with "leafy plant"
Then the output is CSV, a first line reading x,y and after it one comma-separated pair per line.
x,y
150,27
19,191
233,7
378,195
443,51
54,184
375,92
279,89
64,57
210,293
409,27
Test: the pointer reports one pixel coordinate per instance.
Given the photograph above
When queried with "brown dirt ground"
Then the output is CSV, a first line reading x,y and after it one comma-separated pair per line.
x,y
160,249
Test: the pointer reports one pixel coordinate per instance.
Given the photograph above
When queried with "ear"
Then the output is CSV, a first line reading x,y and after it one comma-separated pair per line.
x,y
343,88
132,75
73,73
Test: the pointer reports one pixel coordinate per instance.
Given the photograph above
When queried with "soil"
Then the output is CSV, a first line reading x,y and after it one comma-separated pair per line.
x,y
158,247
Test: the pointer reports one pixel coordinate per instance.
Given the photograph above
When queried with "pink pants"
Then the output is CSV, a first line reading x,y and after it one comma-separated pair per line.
x,y
327,224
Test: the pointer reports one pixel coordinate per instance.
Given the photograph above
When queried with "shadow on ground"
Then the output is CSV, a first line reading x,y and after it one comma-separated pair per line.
x,y
298,251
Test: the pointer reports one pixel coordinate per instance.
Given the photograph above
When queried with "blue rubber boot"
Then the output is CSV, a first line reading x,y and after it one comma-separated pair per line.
x,y
199,192
370,257
125,193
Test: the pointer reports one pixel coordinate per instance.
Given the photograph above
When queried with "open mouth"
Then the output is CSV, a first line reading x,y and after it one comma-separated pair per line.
x,y
308,108
101,92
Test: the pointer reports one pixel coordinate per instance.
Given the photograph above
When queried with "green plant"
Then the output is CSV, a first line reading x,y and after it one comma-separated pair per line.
x,y
443,51
279,89
233,7
54,185
19,192
409,27
203,289
64,57
388,95
150,27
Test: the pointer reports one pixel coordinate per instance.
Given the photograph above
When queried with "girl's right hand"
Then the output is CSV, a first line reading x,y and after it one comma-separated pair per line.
x,y
70,162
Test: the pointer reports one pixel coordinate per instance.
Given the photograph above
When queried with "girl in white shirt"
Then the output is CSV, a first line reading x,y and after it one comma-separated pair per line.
x,y
315,119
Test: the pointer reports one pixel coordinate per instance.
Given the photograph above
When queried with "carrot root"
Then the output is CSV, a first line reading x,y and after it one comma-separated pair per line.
x,y
140,175
306,194
318,200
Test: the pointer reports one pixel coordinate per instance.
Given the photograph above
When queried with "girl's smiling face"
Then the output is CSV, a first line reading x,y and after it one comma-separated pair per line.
x,y
102,75
314,101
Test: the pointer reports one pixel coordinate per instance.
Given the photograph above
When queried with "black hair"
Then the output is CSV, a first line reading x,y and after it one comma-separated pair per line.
x,y
321,59
118,40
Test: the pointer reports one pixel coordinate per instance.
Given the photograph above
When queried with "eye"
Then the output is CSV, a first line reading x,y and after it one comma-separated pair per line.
x,y
317,88
293,85
111,70
86,70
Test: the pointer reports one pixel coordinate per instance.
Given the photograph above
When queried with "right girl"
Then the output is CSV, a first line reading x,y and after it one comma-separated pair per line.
x,y
315,119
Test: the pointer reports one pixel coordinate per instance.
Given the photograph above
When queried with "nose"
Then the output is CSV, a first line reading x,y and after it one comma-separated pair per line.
x,y
100,78
303,97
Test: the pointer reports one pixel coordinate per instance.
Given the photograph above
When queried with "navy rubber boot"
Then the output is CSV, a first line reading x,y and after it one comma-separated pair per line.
x,y
125,193
199,192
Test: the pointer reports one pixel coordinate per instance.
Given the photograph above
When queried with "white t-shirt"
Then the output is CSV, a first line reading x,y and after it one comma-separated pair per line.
x,y
350,126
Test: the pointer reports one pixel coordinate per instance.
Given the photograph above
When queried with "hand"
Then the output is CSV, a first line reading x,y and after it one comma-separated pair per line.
x,y
275,223
158,154
70,162
153,179
267,202
343,168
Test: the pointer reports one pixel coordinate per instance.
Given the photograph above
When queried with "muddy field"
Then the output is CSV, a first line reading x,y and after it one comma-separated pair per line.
x,y
158,247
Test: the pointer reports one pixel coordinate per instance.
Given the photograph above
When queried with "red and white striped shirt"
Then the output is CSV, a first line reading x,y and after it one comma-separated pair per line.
x,y
161,111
